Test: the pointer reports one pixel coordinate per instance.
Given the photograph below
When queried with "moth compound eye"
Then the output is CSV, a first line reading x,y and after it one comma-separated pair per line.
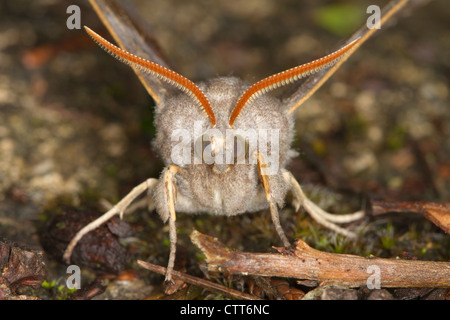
x,y
203,149
240,149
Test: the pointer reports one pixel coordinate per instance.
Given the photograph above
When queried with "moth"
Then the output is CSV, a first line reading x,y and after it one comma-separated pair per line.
x,y
214,136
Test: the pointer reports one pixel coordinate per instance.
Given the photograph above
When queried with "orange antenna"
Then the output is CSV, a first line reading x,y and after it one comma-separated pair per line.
x,y
287,77
158,71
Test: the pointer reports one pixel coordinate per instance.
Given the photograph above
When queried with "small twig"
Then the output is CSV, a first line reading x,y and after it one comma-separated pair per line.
x,y
208,285
438,213
304,262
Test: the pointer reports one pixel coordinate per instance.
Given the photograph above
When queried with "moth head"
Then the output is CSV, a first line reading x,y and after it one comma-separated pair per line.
x,y
214,138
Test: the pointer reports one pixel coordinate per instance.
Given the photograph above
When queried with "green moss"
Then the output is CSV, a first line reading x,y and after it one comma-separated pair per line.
x,y
355,127
387,239
48,285
200,256
341,18
199,223
111,170
58,292
166,242
340,244
395,138
147,122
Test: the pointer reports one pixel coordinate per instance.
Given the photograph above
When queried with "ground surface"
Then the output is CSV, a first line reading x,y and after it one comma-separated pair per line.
x,y
76,125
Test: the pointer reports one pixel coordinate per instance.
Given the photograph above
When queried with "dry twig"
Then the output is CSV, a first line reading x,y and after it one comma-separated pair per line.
x,y
208,285
304,262
438,213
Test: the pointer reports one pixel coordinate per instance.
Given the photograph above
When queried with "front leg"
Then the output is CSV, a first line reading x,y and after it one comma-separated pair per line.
x,y
324,218
265,180
170,195
165,197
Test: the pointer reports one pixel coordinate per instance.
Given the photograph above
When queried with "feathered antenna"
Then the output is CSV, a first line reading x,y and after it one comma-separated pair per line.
x,y
158,71
287,77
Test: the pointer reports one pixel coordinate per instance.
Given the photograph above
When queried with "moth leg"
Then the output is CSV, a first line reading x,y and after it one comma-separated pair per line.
x,y
139,204
119,208
262,165
328,220
170,190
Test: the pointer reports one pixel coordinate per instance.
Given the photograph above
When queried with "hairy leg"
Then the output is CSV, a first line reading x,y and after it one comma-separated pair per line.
x,y
273,206
328,220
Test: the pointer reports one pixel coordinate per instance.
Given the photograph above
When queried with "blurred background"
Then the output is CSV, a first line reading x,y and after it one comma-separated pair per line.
x,y
76,125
